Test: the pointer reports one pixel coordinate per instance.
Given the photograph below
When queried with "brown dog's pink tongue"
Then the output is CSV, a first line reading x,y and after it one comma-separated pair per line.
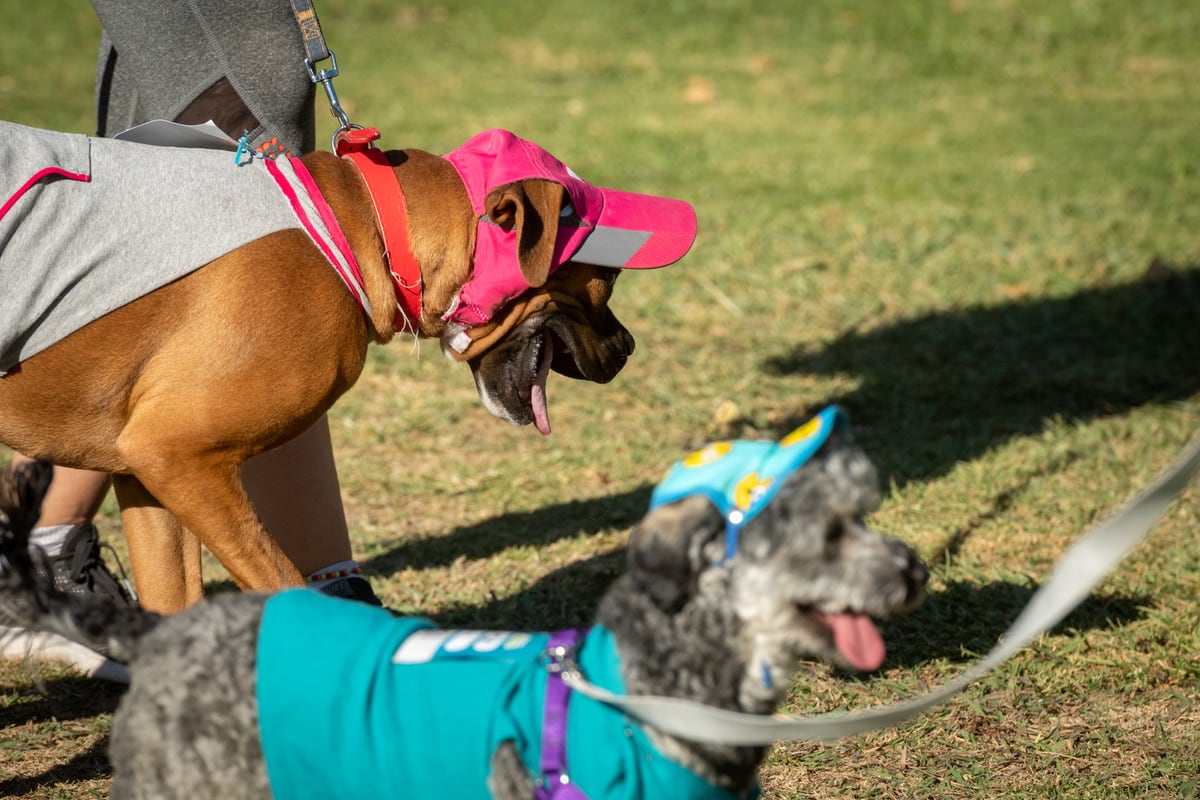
x,y
857,639
537,392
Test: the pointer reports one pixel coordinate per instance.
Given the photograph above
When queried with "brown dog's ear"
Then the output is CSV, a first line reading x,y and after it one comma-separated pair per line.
x,y
672,546
532,208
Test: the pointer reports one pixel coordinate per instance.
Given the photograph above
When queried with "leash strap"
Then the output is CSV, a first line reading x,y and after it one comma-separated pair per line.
x,y
314,46
555,783
310,29
353,142
1077,572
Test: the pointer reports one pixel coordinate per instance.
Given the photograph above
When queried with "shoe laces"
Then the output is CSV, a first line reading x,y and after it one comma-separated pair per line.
x,y
85,565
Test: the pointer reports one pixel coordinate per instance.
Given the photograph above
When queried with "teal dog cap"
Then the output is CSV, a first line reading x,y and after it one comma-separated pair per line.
x,y
741,477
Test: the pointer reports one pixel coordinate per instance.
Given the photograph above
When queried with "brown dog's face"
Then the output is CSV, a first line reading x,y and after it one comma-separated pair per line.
x,y
561,323
565,326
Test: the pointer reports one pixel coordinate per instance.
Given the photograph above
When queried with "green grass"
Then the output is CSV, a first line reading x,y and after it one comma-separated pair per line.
x,y
976,223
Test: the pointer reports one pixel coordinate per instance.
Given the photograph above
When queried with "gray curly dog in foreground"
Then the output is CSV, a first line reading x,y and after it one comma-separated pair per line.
x,y
222,706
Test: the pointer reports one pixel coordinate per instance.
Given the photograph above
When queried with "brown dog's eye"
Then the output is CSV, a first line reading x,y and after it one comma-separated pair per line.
x,y
567,215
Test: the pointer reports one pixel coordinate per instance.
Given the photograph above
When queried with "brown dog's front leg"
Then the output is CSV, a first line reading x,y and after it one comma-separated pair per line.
x,y
207,497
165,557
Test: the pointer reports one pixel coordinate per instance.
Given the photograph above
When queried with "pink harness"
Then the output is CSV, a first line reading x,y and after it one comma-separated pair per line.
x,y
317,219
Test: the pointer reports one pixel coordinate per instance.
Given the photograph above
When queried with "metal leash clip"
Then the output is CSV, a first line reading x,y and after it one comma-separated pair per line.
x,y
314,44
559,658
325,78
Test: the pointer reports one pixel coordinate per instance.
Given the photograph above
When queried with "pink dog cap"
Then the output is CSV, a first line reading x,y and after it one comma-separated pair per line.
x,y
605,227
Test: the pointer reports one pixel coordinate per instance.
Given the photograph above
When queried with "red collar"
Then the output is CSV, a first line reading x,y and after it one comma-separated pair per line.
x,y
390,210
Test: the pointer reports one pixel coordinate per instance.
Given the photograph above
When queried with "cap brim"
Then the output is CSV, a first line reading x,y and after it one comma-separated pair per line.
x,y
638,231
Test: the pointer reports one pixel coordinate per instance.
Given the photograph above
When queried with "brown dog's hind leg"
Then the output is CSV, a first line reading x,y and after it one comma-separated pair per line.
x,y
164,556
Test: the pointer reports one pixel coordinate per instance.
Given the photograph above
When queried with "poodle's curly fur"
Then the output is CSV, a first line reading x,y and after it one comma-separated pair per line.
x,y
687,624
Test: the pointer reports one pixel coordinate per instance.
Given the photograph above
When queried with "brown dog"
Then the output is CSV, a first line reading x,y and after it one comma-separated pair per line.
x,y
173,391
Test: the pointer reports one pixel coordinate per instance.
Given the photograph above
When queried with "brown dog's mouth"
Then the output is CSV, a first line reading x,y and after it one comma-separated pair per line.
x,y
534,396
588,351
854,636
511,375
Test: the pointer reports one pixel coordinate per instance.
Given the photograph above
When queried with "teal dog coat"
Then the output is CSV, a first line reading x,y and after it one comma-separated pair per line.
x,y
396,708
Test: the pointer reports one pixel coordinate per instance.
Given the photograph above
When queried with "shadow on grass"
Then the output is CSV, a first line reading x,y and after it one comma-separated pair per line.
x,y
945,387
488,537
67,698
959,623
87,765
564,598
62,700
537,528
934,391
964,621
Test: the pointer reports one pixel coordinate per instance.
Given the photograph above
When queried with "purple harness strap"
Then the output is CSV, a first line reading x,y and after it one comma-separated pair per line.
x,y
554,782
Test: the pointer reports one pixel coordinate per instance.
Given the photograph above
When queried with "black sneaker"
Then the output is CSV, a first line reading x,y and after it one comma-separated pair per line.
x,y
78,570
352,587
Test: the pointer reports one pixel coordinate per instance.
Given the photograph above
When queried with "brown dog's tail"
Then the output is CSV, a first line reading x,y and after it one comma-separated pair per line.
x,y
27,584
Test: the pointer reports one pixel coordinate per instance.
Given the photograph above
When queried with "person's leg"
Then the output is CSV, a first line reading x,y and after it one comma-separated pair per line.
x,y
65,532
74,496
295,490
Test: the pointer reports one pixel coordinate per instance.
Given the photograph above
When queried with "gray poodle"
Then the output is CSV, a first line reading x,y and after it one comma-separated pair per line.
x,y
752,555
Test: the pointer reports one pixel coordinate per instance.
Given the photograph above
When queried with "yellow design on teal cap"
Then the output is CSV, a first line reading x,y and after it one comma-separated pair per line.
x,y
741,477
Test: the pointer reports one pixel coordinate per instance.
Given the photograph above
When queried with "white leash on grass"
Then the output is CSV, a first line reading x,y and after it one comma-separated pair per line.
x,y
1083,566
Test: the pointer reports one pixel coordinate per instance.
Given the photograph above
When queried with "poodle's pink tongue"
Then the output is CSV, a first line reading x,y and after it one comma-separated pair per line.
x,y
857,639
537,392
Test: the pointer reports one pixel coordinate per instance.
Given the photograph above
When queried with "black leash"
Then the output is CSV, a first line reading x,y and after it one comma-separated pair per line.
x,y
314,45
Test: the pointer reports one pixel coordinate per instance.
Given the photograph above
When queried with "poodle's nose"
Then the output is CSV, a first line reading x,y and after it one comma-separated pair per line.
x,y
917,571
916,574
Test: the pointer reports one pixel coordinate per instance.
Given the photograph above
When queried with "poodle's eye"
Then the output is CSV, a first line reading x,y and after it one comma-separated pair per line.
x,y
835,531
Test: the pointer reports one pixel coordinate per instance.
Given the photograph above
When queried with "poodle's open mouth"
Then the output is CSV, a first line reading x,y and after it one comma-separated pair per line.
x,y
855,637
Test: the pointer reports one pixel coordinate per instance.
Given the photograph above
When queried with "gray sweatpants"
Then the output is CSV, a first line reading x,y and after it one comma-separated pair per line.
x,y
158,56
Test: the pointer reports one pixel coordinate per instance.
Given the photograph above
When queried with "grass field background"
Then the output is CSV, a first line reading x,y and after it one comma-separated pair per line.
x,y
974,223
